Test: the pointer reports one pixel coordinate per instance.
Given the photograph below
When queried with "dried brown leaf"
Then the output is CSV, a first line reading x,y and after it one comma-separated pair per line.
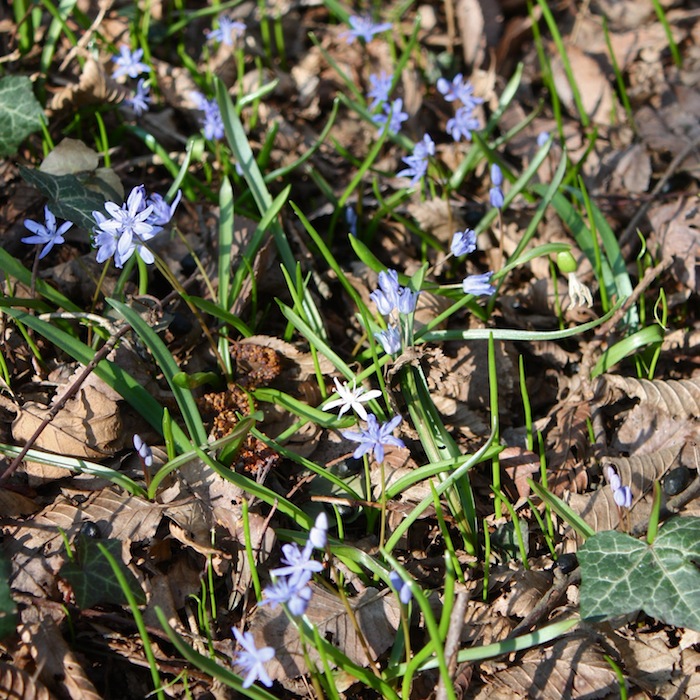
x,y
596,91
94,87
438,218
377,613
479,24
57,664
572,667
648,660
570,446
677,398
16,684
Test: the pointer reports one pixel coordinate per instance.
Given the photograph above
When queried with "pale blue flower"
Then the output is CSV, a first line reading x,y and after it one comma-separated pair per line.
x,y
375,437
387,296
460,90
296,561
381,87
542,138
318,536
143,450
129,63
462,124
212,122
227,32
623,497
478,285
252,660
126,231
292,591
351,220
403,588
141,99
363,28
46,234
418,161
407,301
162,211
496,193
390,340
394,114
463,242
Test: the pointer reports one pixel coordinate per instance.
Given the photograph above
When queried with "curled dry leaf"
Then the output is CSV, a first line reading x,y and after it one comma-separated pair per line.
x,y
572,667
15,683
597,95
94,87
377,613
677,398
57,665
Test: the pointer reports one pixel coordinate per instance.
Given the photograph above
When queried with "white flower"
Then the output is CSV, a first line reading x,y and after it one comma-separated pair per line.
x,y
351,398
579,294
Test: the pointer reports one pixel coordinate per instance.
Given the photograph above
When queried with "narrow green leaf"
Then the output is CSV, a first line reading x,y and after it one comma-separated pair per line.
x,y
167,365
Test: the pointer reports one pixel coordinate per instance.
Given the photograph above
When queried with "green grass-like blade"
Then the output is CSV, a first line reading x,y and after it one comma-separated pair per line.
x,y
167,365
77,466
115,377
626,347
562,510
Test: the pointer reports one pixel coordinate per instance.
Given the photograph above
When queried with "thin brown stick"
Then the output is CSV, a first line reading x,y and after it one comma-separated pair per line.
x,y
72,390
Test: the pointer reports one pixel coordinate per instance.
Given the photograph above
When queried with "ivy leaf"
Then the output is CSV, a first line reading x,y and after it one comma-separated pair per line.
x,y
92,578
20,113
620,574
69,196
8,611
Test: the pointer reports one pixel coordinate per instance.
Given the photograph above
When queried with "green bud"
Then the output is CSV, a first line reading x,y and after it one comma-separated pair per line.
x,y
566,262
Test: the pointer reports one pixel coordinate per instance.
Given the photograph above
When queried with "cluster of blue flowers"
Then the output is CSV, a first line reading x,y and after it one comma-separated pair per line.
x,y
291,586
621,494
393,300
464,121
129,63
227,32
130,226
212,122
363,28
419,160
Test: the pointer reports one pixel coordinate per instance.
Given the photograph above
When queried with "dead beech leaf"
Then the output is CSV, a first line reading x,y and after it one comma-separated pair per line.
x,y
645,430
88,426
94,87
55,661
677,398
377,613
648,660
572,667
675,125
526,590
480,23
69,157
438,218
16,683
632,170
597,96
676,234
519,464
